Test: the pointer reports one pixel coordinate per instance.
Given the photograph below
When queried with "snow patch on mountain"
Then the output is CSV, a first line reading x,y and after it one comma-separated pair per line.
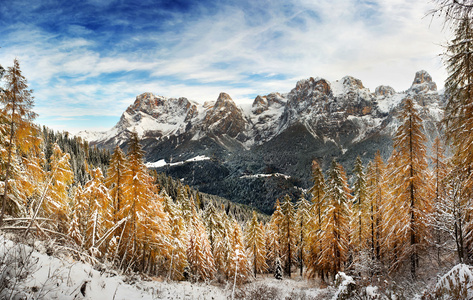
x,y
162,163
388,103
266,175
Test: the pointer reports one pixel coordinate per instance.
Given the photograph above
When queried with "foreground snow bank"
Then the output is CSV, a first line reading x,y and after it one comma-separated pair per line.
x,y
456,284
34,273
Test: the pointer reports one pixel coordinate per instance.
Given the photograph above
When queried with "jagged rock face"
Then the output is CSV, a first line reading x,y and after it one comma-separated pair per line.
x,y
423,89
309,92
263,103
265,118
157,106
384,91
225,118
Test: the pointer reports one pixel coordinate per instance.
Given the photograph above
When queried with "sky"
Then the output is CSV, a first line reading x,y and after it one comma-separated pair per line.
x,y
88,60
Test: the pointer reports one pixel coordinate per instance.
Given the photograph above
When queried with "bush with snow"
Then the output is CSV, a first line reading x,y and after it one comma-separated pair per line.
x,y
456,284
346,287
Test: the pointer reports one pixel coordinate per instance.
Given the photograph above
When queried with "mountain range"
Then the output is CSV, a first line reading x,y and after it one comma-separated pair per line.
x,y
256,154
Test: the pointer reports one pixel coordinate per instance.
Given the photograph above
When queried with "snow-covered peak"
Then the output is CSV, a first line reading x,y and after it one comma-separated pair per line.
x,y
384,91
323,107
423,83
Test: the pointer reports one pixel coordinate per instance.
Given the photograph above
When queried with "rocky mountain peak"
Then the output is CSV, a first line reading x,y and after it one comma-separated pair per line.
x,y
308,93
144,102
262,103
423,83
313,85
421,77
352,83
259,105
225,117
384,91
224,101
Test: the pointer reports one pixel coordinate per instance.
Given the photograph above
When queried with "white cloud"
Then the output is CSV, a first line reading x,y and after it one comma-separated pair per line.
x,y
380,42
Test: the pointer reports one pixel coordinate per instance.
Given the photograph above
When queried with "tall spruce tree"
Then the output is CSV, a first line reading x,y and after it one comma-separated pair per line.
x,y
238,267
439,175
273,236
116,181
179,238
317,211
412,190
459,108
254,241
303,217
17,101
360,208
199,253
288,236
377,196
335,226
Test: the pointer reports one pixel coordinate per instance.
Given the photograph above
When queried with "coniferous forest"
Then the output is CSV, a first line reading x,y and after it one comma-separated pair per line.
x,y
402,219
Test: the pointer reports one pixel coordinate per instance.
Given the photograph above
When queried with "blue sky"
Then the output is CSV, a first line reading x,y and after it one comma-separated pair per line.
x,y
88,60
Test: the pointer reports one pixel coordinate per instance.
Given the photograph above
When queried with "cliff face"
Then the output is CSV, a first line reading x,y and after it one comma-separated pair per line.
x,y
279,134
225,119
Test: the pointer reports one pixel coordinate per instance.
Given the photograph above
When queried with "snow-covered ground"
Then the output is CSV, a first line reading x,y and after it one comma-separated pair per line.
x,y
50,272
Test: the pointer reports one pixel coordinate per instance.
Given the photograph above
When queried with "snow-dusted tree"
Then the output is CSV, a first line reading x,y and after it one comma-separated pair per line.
x,y
155,239
439,175
219,229
318,208
288,237
178,262
412,192
199,253
146,230
459,108
254,240
55,198
377,195
98,215
238,267
452,212
213,224
303,218
185,202
17,102
273,236
77,215
335,225
359,233
318,192
116,181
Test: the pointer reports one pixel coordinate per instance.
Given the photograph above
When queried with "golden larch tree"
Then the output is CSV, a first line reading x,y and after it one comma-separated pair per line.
x,y
17,114
255,246
336,222
413,190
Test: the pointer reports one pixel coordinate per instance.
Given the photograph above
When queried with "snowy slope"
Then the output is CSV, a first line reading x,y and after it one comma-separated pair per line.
x,y
33,274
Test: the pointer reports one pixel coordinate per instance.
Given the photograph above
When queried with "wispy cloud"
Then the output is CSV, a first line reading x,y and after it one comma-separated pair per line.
x,y
92,58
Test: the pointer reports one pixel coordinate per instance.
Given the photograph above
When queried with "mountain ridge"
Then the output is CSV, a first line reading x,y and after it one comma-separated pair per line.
x,y
280,134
